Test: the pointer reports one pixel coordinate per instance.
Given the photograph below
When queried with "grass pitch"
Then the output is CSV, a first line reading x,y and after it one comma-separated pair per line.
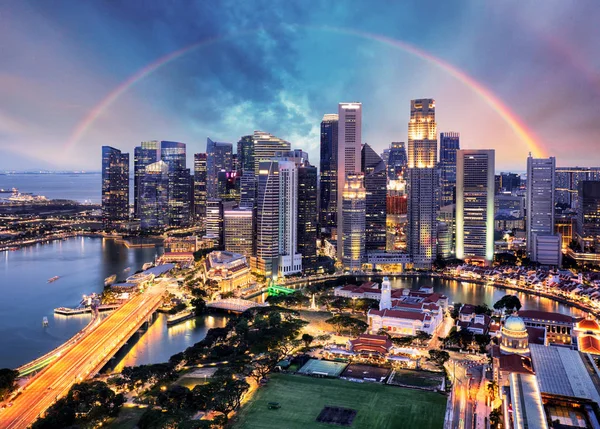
x,y
303,398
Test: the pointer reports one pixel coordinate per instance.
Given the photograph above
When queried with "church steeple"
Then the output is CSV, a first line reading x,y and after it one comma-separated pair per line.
x,y
386,295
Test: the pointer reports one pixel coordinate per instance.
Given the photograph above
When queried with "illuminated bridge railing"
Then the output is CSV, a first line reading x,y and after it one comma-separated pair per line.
x,y
236,305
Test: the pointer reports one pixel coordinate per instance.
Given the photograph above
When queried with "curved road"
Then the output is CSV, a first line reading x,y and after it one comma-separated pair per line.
x,y
80,361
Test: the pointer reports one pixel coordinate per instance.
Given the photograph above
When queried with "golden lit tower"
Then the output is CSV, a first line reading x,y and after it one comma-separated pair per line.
x,y
422,182
353,218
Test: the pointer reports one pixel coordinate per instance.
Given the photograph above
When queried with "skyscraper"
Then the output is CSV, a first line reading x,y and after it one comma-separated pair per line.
x,y
540,198
200,187
307,215
267,219
248,187
154,196
375,183
238,231
449,144
290,261
180,182
214,220
328,171
422,183
353,218
145,154
588,216
218,158
115,186
397,161
475,205
349,156
265,146
245,153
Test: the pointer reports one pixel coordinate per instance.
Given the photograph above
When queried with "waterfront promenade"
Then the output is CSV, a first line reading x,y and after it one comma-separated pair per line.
x,y
84,359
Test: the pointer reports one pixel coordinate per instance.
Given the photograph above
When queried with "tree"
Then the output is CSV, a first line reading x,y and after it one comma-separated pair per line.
x,y
482,309
8,378
491,388
199,306
343,322
403,341
307,339
495,417
440,357
508,303
422,337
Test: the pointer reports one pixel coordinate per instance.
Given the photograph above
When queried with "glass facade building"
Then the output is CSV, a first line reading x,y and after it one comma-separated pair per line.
x,y
449,144
115,186
375,183
353,218
328,171
145,154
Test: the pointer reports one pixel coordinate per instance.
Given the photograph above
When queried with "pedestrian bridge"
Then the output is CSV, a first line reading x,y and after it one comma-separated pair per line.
x,y
276,290
236,305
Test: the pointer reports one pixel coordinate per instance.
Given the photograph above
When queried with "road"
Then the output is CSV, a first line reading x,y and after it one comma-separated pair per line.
x,y
82,360
468,378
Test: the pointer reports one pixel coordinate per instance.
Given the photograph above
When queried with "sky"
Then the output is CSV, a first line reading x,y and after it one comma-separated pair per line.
x,y
517,76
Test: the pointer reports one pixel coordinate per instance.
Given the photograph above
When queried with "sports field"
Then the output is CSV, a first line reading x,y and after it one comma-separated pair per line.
x,y
323,367
302,399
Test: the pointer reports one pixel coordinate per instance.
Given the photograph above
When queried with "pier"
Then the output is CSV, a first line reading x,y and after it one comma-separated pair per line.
x,y
65,311
180,317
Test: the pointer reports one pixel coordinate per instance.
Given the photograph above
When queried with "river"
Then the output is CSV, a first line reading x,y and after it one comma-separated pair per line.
x,y
84,262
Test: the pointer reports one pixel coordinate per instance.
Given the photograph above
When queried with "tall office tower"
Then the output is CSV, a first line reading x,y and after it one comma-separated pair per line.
x,y
588,216
267,219
422,183
228,186
248,186
375,183
245,153
235,166
145,154
307,215
200,187
509,182
214,220
567,183
115,186
266,146
154,196
540,198
180,182
449,144
475,205
397,161
328,171
238,227
290,261
385,155
218,158
353,217
349,155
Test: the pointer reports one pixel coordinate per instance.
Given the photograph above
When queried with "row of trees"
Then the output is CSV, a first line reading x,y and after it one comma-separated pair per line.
x,y
8,379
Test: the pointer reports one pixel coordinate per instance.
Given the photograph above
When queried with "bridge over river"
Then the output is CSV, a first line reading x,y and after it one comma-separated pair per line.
x,y
85,358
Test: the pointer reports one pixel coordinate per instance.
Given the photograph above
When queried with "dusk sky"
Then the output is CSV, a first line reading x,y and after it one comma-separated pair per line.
x,y
515,76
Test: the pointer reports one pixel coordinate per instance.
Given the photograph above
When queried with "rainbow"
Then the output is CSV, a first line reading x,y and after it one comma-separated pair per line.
x,y
514,122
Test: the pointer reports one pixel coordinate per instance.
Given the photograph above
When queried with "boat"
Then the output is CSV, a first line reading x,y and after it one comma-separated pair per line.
x,y
53,279
45,321
126,270
110,280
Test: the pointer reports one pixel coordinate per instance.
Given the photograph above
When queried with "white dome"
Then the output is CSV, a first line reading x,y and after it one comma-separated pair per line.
x,y
514,323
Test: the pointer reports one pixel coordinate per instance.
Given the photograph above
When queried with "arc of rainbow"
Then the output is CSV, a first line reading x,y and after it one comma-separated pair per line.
x,y
514,122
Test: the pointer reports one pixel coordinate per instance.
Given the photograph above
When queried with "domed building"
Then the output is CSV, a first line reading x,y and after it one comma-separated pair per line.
x,y
514,337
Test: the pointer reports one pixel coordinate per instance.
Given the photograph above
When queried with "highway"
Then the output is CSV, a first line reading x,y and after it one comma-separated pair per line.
x,y
82,360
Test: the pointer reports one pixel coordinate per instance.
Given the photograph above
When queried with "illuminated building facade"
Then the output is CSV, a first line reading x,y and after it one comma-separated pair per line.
x,y
307,215
353,218
265,146
180,183
375,182
475,204
145,154
397,161
214,220
219,157
540,198
329,153
115,186
348,158
154,196
588,216
200,160
245,153
567,183
422,183
238,231
449,144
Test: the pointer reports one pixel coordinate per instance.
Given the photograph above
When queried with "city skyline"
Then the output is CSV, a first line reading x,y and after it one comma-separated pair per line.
x,y
78,92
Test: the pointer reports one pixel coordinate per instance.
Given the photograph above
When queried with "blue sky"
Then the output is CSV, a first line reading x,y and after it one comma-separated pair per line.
x,y
276,67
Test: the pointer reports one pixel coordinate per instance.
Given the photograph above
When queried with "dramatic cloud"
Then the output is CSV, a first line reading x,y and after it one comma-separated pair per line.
x,y
278,66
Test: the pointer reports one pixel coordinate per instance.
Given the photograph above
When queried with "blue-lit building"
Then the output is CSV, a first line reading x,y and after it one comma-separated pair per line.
x,y
449,144
397,161
218,158
154,197
328,171
145,154
115,187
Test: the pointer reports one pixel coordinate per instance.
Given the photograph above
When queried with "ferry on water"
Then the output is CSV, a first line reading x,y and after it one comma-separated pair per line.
x,y
110,280
53,279
45,321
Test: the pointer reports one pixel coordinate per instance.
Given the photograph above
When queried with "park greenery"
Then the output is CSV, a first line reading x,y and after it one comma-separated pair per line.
x,y
347,324
508,303
86,404
8,378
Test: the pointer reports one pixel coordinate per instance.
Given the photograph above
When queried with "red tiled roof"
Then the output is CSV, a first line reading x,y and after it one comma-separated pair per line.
x,y
588,325
589,344
515,363
371,343
398,314
545,315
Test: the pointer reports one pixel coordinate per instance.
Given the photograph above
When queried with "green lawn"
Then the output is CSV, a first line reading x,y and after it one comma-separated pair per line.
x,y
418,378
127,419
302,399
